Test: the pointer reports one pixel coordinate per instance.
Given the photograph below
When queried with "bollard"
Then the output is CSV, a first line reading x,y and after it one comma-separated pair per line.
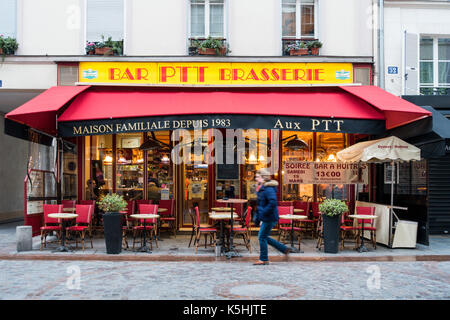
x,y
24,238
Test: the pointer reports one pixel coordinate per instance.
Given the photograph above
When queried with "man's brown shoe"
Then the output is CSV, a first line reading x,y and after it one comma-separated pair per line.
x,y
261,263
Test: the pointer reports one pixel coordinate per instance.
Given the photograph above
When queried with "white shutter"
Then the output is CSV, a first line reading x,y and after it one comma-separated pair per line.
x,y
411,71
105,17
8,18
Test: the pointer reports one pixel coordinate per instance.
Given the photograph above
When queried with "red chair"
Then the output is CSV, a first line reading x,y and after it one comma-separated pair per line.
x,y
311,224
142,201
83,222
345,229
244,230
285,203
69,204
127,223
150,225
285,225
219,204
368,224
50,224
211,231
87,202
350,205
169,216
304,205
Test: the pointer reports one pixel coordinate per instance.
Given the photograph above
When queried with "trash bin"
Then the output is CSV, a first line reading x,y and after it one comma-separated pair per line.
x,y
405,234
24,238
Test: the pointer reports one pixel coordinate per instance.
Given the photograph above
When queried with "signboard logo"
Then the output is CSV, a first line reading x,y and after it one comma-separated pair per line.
x,y
343,75
90,74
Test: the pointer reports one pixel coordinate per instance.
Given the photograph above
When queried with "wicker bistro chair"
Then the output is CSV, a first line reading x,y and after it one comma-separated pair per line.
x,y
83,223
127,222
346,230
319,232
310,225
150,225
211,231
50,224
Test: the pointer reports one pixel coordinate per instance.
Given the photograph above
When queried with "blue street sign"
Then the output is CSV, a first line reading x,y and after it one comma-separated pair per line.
x,y
1,83
392,70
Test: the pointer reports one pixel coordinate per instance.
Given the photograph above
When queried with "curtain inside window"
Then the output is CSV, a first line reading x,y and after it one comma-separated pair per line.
x,y
216,20
197,20
288,20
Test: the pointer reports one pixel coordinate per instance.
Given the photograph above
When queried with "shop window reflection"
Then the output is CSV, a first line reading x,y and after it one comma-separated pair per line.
x,y
297,146
129,166
100,166
328,144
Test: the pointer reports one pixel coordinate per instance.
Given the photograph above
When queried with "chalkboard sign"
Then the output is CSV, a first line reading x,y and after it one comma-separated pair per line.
x,y
227,171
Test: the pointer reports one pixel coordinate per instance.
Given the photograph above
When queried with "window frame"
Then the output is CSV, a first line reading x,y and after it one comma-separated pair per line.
x,y
435,85
298,21
125,4
207,18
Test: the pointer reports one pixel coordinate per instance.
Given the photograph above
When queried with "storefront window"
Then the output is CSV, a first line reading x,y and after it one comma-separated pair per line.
x,y
70,167
297,146
129,166
328,144
100,168
159,167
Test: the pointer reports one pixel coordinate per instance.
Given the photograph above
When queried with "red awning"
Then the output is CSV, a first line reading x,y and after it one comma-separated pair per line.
x,y
40,112
397,111
112,103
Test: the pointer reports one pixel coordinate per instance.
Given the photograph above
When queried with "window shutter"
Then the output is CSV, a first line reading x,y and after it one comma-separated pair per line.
x,y
104,17
411,71
67,75
8,18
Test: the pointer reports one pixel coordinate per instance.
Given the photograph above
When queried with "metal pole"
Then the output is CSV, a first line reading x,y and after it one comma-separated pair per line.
x,y
392,201
381,43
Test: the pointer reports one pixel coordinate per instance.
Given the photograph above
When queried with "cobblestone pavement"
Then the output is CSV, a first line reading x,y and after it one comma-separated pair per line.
x,y
223,280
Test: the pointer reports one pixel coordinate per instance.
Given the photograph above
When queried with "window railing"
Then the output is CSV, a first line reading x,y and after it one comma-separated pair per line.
x,y
435,91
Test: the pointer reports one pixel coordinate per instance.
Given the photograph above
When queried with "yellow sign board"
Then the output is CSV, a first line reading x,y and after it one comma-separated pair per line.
x,y
215,73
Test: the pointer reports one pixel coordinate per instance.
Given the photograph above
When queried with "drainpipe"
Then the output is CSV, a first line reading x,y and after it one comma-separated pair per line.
x,y
381,43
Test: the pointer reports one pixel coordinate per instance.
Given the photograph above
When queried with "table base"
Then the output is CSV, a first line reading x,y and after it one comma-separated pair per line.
x,y
144,249
362,249
295,250
63,249
232,253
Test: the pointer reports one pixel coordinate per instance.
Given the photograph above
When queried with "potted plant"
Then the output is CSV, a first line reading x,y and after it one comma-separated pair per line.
x,y
90,47
8,45
112,221
331,210
213,47
314,47
104,47
297,49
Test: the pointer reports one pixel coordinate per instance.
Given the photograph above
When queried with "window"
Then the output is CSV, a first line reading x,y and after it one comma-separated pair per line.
x,y
207,19
434,66
298,18
8,18
105,17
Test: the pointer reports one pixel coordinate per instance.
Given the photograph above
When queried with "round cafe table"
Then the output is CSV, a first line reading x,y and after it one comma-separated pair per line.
x,y
220,209
230,202
221,216
298,210
362,248
63,217
69,210
144,217
293,217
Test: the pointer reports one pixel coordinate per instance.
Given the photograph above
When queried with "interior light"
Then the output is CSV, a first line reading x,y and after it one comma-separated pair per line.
x,y
261,158
165,159
332,158
107,159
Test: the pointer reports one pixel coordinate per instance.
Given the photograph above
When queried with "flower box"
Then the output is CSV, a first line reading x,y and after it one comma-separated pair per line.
x,y
106,51
211,51
315,51
298,52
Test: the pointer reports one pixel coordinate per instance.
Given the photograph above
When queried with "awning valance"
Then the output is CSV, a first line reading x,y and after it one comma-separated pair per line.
x,y
131,109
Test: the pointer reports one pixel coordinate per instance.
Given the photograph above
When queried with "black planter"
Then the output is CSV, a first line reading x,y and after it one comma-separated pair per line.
x,y
112,223
331,233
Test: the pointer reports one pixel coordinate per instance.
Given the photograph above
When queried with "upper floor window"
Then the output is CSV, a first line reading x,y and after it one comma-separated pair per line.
x,y
105,17
8,18
434,65
298,18
207,18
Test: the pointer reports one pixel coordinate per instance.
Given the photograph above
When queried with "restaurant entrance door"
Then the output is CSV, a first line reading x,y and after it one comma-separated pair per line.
x,y
195,191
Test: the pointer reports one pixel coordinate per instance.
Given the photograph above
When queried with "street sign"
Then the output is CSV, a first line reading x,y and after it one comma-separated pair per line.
x,y
392,70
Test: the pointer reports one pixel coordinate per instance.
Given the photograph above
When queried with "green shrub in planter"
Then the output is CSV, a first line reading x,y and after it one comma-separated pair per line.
x,y
112,221
331,210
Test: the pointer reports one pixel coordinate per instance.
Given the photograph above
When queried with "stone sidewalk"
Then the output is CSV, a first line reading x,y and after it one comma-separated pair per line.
x,y
176,249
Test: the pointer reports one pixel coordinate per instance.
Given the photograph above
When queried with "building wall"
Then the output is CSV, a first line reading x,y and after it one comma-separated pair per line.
x,y
13,164
419,17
